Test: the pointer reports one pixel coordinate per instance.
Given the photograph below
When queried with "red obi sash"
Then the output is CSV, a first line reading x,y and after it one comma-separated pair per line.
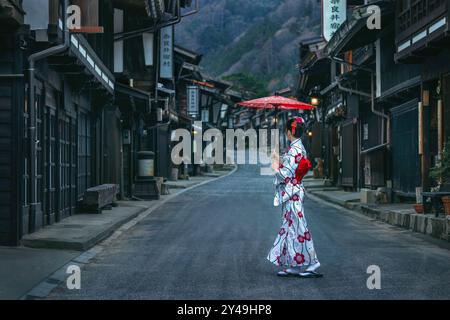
x,y
302,169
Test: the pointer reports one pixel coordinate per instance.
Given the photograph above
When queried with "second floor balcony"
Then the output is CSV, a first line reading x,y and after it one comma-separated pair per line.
x,y
422,27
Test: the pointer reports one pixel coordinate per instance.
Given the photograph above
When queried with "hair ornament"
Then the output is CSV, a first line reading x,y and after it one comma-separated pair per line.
x,y
298,120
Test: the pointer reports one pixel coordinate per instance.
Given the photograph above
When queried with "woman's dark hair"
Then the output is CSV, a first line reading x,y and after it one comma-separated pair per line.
x,y
296,126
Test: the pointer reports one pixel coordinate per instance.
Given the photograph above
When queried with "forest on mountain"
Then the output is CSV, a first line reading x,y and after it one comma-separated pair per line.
x,y
251,39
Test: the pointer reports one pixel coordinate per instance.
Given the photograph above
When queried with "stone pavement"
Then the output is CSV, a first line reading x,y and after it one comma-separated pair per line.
x,y
40,264
212,243
23,268
339,197
400,215
82,231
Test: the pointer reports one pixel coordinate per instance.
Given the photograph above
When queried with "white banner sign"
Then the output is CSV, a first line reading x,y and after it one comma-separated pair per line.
x,y
334,13
193,99
166,65
148,40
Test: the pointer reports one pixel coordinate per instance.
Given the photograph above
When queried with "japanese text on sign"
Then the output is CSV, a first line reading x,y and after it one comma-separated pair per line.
x,y
333,15
193,100
166,67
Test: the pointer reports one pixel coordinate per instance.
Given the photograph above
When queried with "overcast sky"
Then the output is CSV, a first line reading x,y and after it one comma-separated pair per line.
x,y
37,13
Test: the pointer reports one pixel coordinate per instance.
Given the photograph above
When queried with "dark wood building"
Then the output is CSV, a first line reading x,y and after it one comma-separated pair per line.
x,y
359,94
422,41
12,82
384,95
314,76
69,96
76,106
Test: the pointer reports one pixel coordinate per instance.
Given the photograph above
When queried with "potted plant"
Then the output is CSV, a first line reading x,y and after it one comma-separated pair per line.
x,y
441,174
419,207
446,203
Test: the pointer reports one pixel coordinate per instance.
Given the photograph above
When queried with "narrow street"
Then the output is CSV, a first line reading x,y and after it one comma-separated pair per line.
x,y
211,243
118,119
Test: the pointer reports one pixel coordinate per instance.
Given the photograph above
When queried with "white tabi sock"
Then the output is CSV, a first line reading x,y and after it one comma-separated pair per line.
x,y
313,267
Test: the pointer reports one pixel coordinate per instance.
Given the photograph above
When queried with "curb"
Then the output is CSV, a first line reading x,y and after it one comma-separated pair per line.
x,y
343,203
437,228
45,287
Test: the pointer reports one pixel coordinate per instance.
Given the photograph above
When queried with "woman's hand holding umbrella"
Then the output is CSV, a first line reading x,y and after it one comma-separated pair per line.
x,y
275,160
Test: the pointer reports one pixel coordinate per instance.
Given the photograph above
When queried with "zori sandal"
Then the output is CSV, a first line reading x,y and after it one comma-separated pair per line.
x,y
310,274
286,273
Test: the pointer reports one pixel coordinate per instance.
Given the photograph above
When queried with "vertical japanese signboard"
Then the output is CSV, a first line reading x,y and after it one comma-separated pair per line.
x,y
334,13
166,56
193,99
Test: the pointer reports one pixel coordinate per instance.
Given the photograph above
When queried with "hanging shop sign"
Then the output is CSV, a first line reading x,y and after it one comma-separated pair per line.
x,y
193,99
166,65
148,41
334,13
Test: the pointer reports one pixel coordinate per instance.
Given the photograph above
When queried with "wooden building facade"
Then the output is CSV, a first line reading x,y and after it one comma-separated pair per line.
x,y
12,83
383,95
77,107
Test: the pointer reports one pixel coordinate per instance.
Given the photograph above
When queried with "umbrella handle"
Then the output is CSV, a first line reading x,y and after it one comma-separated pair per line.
x,y
276,117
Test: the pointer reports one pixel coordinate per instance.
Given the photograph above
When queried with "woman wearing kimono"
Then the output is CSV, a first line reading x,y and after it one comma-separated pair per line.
x,y
293,248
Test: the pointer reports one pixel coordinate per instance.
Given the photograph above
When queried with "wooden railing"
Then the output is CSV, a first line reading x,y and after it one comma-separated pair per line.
x,y
419,13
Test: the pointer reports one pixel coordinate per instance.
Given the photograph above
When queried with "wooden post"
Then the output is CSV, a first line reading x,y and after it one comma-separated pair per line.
x,y
440,124
424,144
423,160
420,125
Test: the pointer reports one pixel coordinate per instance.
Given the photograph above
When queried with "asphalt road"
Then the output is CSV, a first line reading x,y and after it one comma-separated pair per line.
x,y
212,242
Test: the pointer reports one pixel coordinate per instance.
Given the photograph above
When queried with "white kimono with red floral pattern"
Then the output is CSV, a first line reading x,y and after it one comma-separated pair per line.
x,y
293,246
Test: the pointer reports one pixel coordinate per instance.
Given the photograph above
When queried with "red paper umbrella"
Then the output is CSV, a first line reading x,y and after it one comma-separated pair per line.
x,y
276,102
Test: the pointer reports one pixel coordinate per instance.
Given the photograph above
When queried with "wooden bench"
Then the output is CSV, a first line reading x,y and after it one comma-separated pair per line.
x,y
100,198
